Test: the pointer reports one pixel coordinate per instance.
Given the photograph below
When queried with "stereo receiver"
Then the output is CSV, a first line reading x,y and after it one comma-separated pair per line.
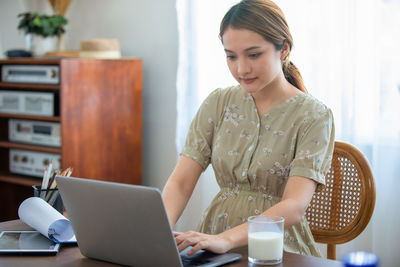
x,y
34,132
29,103
46,74
32,163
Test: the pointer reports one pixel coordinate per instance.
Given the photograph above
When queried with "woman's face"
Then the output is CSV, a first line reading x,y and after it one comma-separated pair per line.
x,y
252,60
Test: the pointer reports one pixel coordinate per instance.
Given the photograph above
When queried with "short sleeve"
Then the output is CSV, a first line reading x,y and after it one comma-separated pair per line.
x,y
314,148
201,131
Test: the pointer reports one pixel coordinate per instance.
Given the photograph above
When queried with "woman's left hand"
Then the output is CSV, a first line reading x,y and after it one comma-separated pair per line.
x,y
214,243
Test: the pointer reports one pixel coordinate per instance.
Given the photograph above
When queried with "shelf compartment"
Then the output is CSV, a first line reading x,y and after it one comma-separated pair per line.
x,y
54,150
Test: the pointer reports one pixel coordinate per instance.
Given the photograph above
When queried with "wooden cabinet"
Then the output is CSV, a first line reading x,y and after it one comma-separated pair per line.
x,y
100,113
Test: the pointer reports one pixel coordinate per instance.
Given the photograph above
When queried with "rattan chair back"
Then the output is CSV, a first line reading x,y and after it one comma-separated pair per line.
x,y
342,210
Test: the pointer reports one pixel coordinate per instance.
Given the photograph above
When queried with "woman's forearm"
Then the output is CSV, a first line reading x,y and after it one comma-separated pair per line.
x,y
287,209
295,200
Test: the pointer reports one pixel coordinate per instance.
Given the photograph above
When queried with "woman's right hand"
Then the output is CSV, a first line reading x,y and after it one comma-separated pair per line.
x,y
198,241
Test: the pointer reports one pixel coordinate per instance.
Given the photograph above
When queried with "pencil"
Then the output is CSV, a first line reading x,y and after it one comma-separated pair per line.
x,y
52,185
52,197
70,172
44,183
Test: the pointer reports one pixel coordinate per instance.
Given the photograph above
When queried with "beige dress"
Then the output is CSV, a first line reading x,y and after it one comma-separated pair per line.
x,y
253,156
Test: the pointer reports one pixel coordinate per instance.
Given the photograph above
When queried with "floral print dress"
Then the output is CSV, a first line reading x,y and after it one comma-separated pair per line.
x,y
253,156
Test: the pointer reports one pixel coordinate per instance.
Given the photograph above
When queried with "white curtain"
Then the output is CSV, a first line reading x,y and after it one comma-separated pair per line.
x,y
348,54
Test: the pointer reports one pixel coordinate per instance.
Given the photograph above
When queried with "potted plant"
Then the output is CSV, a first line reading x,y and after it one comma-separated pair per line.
x,y
41,31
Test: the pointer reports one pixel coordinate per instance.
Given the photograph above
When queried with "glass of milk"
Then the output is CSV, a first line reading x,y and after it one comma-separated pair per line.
x,y
265,241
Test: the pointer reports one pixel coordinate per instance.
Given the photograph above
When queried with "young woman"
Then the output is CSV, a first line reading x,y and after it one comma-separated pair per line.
x,y
270,142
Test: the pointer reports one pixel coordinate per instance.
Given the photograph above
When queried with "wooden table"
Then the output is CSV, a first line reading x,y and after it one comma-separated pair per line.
x,y
71,256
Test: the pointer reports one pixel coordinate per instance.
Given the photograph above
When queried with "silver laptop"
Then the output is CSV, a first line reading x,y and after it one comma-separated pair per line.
x,y
126,224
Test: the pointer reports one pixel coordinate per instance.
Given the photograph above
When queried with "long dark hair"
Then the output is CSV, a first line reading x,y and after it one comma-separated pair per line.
x,y
265,18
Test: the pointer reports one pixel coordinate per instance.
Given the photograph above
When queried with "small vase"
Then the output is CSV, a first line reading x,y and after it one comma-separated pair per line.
x,y
28,42
41,45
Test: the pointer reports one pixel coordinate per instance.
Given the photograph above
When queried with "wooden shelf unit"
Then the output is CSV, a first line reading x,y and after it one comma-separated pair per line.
x,y
100,112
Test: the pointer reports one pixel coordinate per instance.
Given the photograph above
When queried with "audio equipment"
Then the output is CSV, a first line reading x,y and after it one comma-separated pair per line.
x,y
45,74
34,132
32,163
29,103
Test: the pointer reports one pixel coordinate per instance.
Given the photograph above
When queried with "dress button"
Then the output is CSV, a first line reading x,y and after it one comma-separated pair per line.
x,y
251,148
243,173
258,125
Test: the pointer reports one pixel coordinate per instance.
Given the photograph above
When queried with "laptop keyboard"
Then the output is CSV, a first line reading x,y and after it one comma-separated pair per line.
x,y
187,262
207,258
200,258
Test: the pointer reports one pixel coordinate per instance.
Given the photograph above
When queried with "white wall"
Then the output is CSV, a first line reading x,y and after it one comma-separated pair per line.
x,y
145,29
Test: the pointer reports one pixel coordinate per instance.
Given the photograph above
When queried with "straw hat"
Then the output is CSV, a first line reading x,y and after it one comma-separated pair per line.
x,y
100,48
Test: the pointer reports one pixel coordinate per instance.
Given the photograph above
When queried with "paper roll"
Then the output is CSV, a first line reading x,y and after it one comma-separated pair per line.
x,y
42,217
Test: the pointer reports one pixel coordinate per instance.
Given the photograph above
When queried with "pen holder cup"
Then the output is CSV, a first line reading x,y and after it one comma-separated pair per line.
x,y
48,197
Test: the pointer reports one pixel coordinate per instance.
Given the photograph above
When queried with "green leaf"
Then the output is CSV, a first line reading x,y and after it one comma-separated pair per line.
x,y
43,25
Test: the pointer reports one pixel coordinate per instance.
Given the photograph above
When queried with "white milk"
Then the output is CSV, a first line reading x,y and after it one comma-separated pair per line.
x,y
265,245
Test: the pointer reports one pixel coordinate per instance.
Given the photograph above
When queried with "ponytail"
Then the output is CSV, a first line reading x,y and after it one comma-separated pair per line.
x,y
293,76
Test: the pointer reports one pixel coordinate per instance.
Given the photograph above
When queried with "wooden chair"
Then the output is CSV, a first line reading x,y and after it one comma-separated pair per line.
x,y
341,211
